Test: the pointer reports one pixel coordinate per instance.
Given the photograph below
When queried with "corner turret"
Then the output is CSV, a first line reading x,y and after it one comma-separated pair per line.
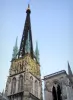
x,y
69,70
37,52
15,50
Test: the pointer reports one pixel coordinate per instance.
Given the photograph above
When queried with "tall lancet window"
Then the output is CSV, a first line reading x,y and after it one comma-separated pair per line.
x,y
13,87
20,85
54,93
59,96
27,46
31,82
36,88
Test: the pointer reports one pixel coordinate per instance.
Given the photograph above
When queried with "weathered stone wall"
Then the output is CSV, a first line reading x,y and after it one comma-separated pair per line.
x,y
63,81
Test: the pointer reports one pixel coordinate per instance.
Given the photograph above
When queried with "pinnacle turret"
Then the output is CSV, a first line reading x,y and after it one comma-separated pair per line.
x,y
37,52
28,9
15,50
69,70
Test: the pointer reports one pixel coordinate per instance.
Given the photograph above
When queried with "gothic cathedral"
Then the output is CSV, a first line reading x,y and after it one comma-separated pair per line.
x,y
24,80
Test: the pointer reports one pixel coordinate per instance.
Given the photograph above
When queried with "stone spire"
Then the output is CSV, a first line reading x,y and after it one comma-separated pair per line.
x,y
26,34
15,50
37,52
69,70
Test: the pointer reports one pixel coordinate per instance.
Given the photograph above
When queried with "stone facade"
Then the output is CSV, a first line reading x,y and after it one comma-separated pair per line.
x,y
24,81
29,83
62,79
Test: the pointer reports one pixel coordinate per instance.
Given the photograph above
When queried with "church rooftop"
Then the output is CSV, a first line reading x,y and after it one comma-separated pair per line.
x,y
55,74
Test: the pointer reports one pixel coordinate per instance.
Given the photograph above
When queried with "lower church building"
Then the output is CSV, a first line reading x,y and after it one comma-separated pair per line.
x,y
24,80
59,85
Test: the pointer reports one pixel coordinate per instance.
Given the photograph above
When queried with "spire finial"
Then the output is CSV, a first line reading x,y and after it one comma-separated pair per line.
x,y
28,5
28,9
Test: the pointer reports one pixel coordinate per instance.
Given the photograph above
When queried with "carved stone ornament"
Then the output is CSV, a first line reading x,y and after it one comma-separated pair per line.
x,y
9,79
55,82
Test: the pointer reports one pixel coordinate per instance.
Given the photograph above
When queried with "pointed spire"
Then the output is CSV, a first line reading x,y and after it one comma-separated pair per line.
x,y
15,50
37,52
69,70
26,31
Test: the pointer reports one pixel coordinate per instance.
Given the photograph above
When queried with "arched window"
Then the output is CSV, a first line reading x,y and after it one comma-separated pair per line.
x,y
36,88
54,93
59,92
13,87
20,86
31,82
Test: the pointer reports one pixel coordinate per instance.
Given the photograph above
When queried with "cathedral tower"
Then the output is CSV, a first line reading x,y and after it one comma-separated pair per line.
x,y
24,80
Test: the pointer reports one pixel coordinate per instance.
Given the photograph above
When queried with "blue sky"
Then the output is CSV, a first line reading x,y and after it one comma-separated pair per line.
x,y
52,27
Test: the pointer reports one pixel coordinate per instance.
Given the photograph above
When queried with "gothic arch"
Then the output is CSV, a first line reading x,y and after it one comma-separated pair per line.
x,y
54,93
59,92
20,84
13,86
31,82
36,87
